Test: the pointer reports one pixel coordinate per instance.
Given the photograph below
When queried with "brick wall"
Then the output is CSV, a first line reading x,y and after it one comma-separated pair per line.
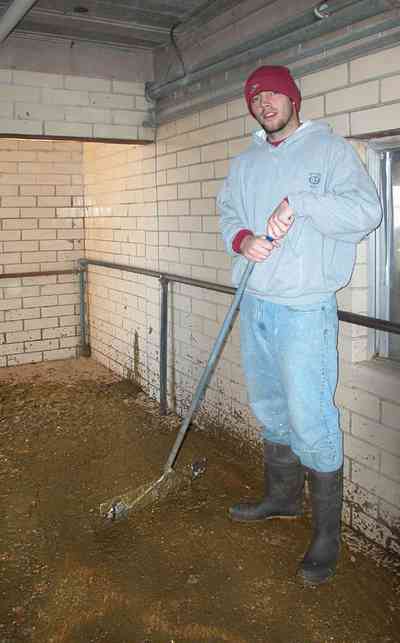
x,y
41,229
55,105
122,226
173,221
363,98
42,199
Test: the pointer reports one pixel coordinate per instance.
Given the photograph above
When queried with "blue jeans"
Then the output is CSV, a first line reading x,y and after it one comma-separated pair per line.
x,y
290,361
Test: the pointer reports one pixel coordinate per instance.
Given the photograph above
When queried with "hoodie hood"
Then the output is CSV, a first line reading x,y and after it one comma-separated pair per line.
x,y
260,136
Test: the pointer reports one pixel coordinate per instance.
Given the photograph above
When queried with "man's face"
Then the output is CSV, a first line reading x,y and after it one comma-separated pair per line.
x,y
275,113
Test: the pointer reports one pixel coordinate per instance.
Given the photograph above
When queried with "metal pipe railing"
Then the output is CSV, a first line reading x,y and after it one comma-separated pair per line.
x,y
38,273
84,344
84,350
165,278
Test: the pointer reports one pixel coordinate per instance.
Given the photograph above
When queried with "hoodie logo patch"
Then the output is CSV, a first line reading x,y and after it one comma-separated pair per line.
x,y
314,179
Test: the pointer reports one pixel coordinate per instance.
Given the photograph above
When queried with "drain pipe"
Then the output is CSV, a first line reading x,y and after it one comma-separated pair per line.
x,y
13,15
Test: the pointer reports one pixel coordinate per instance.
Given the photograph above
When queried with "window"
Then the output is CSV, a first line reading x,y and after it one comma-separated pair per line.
x,y
384,294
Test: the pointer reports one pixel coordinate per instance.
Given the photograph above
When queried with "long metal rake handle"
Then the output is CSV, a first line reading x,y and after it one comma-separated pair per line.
x,y
209,368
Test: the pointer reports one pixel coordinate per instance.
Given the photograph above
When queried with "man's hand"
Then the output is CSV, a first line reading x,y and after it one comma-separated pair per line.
x,y
256,248
259,248
280,220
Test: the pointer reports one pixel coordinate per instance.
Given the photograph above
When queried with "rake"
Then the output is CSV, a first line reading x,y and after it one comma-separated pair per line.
x,y
170,481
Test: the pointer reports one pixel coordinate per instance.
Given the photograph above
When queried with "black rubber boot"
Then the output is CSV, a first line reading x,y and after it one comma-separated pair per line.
x,y
326,490
284,482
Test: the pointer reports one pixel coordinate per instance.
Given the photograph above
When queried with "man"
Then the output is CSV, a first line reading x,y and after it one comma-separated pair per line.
x,y
322,203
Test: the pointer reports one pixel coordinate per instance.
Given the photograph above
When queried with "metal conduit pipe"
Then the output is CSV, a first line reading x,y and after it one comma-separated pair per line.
x,y
294,32
13,15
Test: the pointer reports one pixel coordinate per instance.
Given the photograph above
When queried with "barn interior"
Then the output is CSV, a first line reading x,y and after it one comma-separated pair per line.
x,y
119,121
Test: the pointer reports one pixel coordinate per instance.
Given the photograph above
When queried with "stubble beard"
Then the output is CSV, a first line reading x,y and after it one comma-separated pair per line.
x,y
280,126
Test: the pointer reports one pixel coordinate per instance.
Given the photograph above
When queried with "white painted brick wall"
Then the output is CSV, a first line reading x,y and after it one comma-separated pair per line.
x,y
363,97
124,333
36,104
36,234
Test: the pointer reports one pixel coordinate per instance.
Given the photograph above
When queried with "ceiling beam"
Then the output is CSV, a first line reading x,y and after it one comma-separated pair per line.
x,y
143,13
205,13
136,37
13,16
157,6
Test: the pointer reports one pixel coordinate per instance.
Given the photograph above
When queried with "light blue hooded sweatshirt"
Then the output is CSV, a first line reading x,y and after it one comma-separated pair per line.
x,y
335,204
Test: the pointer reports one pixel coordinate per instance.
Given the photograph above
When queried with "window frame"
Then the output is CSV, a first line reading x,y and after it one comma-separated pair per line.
x,y
380,155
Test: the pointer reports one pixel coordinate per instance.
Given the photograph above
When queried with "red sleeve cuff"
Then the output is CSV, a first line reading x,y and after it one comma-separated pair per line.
x,y
239,238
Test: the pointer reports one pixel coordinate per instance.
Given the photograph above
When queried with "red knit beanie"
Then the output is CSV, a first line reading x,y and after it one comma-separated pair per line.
x,y
272,78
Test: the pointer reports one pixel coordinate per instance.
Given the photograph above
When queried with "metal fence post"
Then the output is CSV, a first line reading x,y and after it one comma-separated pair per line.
x,y
163,345
84,346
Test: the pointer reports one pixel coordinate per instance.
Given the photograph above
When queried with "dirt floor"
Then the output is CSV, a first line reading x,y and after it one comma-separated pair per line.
x,y
72,436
